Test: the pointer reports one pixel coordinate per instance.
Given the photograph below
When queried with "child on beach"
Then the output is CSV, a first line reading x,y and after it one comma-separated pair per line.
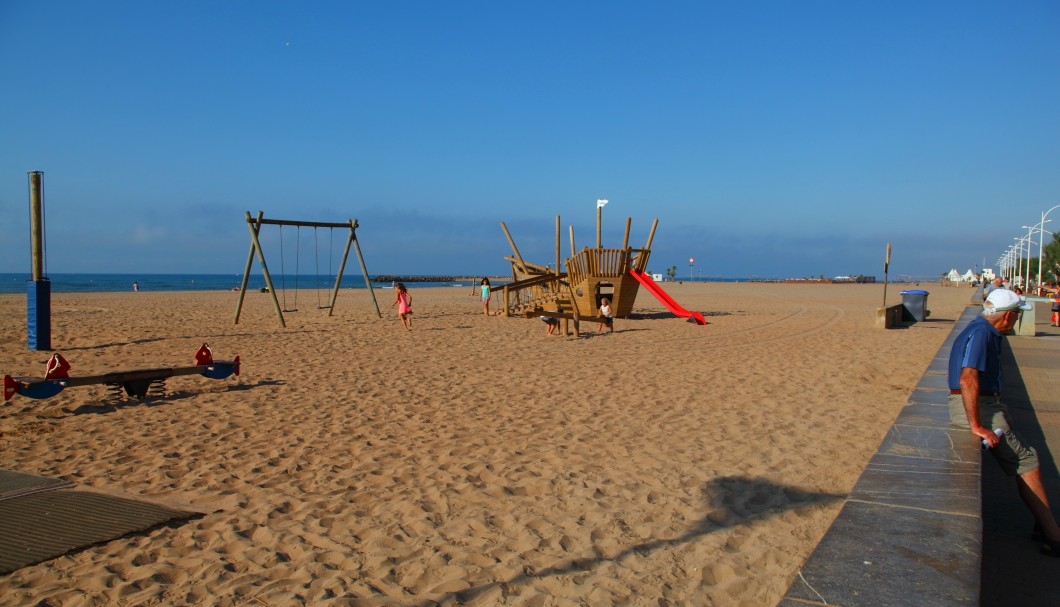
x,y
605,313
403,301
485,293
552,324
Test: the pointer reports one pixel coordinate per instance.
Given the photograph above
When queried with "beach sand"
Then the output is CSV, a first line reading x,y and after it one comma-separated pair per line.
x,y
473,460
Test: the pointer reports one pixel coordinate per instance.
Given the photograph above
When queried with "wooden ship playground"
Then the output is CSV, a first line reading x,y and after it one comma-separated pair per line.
x,y
573,289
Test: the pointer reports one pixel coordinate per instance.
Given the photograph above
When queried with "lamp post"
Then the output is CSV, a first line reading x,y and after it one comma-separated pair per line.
x,y
1023,241
1041,239
1008,262
1019,258
691,260
1030,230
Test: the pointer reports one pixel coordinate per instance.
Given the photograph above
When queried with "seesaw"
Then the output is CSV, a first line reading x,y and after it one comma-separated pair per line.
x,y
136,383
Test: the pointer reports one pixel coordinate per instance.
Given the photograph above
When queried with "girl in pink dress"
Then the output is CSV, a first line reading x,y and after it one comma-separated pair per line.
x,y
404,303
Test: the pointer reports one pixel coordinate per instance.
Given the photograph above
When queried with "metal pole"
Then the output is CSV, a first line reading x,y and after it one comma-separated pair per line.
x,y
599,220
1042,240
1026,287
36,225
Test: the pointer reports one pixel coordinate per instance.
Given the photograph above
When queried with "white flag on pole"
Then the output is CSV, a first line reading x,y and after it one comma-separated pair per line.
x,y
600,202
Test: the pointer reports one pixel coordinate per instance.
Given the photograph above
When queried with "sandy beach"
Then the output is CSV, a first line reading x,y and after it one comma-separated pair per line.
x,y
473,460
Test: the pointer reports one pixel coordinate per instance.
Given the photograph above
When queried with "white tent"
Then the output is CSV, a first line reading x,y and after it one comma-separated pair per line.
x,y
953,276
968,276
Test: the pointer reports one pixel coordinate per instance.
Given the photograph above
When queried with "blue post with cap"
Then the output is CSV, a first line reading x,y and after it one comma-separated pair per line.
x,y
38,290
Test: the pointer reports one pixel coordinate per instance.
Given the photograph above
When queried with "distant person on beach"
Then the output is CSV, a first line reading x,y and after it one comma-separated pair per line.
x,y
136,287
605,314
552,323
1055,319
997,283
484,292
975,403
403,300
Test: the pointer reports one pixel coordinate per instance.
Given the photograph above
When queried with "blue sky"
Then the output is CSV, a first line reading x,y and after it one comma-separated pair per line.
x,y
768,138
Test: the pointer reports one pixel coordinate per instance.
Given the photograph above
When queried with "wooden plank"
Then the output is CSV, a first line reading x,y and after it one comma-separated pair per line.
x,y
564,316
309,224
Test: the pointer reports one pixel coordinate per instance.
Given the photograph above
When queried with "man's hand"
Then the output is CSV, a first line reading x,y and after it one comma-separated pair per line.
x,y
988,435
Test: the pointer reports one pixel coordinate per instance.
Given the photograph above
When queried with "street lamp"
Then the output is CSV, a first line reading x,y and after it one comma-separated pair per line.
x,y
1019,258
1041,239
1009,265
1030,230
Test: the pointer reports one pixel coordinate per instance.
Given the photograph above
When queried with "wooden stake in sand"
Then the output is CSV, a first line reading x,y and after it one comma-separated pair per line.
x,y
886,263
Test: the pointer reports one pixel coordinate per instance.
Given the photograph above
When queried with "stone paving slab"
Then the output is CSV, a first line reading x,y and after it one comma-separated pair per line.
x,y
860,562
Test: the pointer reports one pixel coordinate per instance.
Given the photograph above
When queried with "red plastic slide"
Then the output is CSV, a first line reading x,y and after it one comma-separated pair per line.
x,y
665,298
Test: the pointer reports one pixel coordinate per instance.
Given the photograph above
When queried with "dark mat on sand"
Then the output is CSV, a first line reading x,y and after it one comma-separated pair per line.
x,y
35,527
14,484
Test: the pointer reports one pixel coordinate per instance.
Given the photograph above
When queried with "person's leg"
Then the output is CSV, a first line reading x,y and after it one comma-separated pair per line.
x,y
1032,491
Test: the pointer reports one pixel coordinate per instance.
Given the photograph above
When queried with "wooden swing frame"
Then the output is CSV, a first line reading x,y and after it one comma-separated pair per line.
x,y
254,225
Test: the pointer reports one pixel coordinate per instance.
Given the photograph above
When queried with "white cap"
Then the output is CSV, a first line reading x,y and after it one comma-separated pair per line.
x,y
1001,300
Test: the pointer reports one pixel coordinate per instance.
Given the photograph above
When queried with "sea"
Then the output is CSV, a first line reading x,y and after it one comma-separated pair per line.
x,y
103,283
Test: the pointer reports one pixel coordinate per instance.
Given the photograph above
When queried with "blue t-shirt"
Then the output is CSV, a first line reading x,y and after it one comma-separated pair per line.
x,y
978,346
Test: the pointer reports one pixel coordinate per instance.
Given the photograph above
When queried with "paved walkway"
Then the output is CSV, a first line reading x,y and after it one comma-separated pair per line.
x,y
1014,572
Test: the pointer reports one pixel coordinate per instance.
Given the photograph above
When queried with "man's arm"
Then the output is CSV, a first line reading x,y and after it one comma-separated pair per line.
x,y
970,396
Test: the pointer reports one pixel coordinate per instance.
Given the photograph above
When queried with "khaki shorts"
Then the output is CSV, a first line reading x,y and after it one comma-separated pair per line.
x,y
1015,457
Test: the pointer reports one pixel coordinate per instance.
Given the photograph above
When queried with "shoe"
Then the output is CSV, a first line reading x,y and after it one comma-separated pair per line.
x,y
1050,547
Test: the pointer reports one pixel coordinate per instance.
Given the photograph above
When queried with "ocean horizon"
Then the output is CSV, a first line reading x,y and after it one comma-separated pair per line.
x,y
110,283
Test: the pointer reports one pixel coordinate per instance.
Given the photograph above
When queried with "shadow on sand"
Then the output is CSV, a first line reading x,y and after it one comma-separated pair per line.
x,y
733,501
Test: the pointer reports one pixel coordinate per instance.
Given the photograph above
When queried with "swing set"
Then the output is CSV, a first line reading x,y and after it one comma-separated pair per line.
x,y
254,225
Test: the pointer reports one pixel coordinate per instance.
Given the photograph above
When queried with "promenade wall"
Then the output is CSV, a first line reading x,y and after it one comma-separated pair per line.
x,y
910,532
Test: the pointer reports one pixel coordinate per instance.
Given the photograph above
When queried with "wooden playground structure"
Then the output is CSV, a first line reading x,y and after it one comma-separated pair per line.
x,y
573,289
254,224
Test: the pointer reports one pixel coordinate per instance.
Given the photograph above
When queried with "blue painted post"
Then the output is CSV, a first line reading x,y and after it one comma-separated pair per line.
x,y
39,314
39,290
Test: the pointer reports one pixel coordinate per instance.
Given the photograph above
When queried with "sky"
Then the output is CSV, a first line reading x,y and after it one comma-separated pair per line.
x,y
769,138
